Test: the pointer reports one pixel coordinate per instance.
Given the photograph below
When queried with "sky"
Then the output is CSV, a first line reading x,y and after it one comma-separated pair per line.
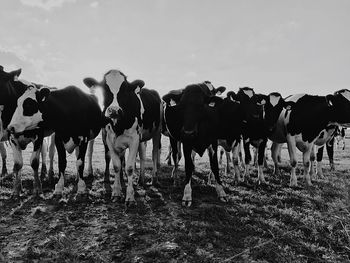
x,y
290,46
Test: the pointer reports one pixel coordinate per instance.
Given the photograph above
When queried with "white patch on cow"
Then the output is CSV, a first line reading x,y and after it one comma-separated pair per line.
x,y
209,85
172,102
142,108
70,145
114,80
59,186
212,104
346,94
218,93
25,82
81,186
187,193
237,101
20,122
274,100
248,92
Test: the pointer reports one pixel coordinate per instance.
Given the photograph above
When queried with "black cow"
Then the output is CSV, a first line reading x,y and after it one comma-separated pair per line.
x,y
136,116
73,115
172,99
301,124
261,113
10,90
198,120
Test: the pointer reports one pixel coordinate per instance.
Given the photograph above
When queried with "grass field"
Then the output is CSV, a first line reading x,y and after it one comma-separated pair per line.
x,y
272,223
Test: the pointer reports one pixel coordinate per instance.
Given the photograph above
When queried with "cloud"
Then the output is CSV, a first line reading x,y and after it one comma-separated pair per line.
x,y
46,4
94,4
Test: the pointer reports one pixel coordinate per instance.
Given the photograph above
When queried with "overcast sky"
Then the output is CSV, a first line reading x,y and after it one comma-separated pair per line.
x,y
270,45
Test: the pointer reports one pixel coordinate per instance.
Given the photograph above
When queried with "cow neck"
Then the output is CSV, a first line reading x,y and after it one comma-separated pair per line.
x,y
9,95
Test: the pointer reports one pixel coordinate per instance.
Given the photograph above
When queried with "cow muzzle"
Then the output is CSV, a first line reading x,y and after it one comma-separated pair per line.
x,y
189,134
114,113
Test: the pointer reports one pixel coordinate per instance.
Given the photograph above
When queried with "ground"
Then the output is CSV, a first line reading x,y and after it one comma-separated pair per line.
x,y
271,223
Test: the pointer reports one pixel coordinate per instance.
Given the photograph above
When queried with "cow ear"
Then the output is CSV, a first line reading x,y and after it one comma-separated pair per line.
x,y
288,105
137,85
220,90
13,75
42,94
173,97
90,82
214,101
329,99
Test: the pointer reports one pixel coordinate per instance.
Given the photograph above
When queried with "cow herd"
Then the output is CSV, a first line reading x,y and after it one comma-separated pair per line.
x,y
198,118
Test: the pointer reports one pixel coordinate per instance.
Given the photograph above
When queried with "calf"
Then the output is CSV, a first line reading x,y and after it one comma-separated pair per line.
x,y
135,115
73,115
301,124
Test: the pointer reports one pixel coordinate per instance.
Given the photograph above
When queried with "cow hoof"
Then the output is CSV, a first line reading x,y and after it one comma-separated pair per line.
x,y
82,197
117,199
130,203
187,203
223,199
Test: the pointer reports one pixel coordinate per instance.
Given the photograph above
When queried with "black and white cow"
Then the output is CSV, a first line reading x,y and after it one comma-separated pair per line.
x,y
337,134
301,124
73,115
135,115
11,88
198,120
261,113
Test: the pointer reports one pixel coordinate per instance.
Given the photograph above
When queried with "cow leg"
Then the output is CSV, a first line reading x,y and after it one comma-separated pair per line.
x,y
82,189
90,171
142,154
130,165
189,167
17,166
275,150
312,161
247,160
107,183
43,152
293,159
155,157
213,158
62,164
240,154
319,157
228,161
51,159
168,157
330,153
306,162
261,156
175,155
3,157
222,151
235,161
34,162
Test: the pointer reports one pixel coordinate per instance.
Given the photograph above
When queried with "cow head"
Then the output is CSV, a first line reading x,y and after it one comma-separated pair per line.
x,y
273,108
252,105
340,103
28,114
197,101
122,101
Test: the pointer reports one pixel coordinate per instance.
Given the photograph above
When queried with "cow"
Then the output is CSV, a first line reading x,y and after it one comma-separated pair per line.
x,y
11,88
301,123
261,113
169,101
135,115
338,134
74,116
198,120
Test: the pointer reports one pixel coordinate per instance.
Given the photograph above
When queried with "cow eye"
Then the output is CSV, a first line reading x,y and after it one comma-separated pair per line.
x,y
30,107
